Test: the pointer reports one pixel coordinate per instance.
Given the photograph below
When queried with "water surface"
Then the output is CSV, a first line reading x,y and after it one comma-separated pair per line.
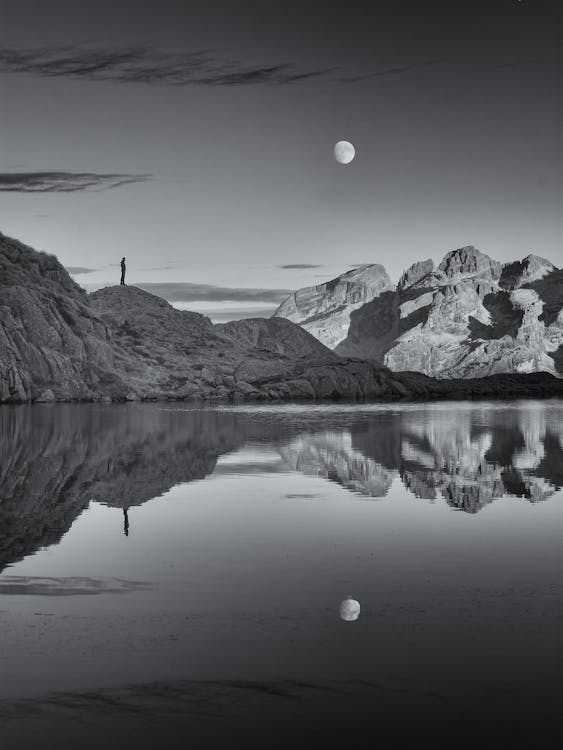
x,y
159,559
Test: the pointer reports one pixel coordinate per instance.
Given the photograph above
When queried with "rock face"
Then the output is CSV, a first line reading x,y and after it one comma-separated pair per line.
x,y
51,343
325,310
470,317
58,343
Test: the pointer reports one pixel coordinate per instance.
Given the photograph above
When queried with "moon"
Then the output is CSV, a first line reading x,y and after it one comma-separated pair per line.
x,y
349,610
344,152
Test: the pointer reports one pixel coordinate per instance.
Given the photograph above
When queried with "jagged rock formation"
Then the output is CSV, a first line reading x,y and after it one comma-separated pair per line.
x,y
59,344
324,310
469,317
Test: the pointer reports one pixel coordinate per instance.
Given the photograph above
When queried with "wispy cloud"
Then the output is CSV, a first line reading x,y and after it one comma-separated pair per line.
x,y
187,292
64,182
148,65
301,265
75,270
389,71
144,64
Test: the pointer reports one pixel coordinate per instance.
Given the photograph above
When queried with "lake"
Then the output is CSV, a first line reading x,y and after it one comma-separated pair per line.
x,y
280,574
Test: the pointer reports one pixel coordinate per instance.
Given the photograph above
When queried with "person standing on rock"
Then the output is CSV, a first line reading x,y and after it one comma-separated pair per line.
x,y
123,269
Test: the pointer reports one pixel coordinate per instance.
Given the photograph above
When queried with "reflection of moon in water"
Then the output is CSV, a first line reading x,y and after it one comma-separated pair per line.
x,y
344,152
349,610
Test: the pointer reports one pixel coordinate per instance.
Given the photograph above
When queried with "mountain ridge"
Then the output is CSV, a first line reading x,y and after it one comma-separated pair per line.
x,y
469,316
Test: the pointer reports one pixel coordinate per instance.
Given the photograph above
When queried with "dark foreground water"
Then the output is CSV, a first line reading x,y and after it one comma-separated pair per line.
x,y
175,577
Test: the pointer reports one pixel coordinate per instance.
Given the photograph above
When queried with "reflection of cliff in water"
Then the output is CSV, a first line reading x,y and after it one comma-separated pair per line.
x,y
468,457
472,456
55,460
332,455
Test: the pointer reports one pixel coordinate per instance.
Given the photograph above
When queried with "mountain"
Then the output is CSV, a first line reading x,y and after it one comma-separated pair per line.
x,y
57,343
469,317
325,310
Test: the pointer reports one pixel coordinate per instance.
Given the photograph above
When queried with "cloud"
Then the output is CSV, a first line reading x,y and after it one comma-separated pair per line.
x,y
186,292
64,182
74,270
144,64
301,265
389,71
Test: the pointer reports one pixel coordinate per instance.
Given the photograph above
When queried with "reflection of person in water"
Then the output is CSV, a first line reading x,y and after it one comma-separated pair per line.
x,y
126,521
123,269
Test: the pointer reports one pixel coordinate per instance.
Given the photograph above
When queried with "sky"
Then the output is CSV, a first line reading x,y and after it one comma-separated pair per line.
x,y
196,139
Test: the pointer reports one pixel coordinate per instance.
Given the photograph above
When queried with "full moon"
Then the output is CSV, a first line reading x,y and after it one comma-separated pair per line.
x,y
344,152
349,610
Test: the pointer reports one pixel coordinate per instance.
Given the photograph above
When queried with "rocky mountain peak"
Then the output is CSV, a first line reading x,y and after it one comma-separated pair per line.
x,y
469,317
416,273
467,261
520,272
324,310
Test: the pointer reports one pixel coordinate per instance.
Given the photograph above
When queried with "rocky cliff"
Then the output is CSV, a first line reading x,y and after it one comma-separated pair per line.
x,y
468,317
325,310
51,343
58,343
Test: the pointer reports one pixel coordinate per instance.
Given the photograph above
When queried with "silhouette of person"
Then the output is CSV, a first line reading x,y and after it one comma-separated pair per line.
x,y
123,269
126,521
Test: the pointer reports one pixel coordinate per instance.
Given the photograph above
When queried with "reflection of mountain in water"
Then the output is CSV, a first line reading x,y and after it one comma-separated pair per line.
x,y
469,456
332,455
55,460
473,458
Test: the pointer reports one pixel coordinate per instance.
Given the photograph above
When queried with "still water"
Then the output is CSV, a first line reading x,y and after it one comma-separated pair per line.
x,y
306,569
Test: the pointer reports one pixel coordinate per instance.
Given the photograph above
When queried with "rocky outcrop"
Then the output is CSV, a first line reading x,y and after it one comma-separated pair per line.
x,y
324,310
52,345
274,335
121,343
57,343
468,317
